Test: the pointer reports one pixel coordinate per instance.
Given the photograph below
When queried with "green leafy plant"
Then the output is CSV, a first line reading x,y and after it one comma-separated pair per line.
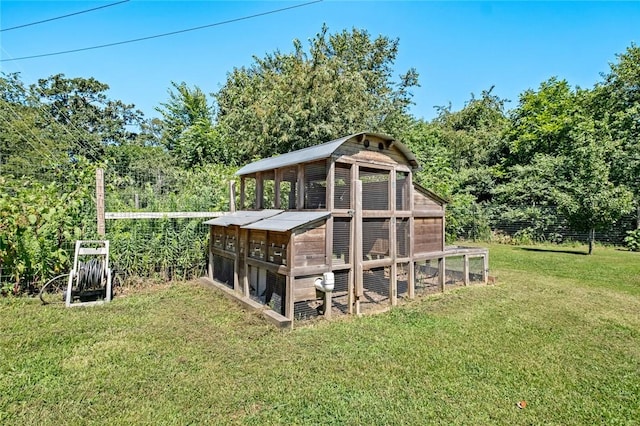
x,y
632,240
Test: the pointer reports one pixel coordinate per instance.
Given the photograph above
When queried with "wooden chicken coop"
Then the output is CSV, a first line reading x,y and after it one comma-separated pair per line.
x,y
340,225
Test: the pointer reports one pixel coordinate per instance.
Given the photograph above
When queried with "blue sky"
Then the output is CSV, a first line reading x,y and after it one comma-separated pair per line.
x,y
458,48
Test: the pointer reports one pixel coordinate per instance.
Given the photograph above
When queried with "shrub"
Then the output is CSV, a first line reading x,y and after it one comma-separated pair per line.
x,y
632,240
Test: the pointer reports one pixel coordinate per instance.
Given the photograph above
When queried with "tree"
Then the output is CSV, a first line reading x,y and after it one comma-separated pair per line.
x,y
616,103
541,122
188,131
584,193
340,85
90,118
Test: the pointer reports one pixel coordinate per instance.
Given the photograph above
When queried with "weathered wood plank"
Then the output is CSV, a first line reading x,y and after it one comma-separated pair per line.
x,y
161,215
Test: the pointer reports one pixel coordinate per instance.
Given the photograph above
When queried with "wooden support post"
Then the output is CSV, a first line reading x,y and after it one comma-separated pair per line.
x,y
411,284
289,307
357,246
259,191
232,196
277,175
393,279
136,201
331,169
485,268
100,201
442,270
236,261
243,190
300,192
245,277
466,269
328,242
350,291
327,304
289,302
210,260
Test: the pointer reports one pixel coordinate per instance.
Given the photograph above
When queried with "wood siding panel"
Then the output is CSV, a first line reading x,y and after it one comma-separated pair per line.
x,y
422,202
428,235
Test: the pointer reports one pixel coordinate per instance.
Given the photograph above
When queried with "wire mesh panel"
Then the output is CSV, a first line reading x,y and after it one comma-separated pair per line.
x,y
275,292
315,185
257,283
340,297
403,191
341,240
402,237
402,279
249,193
288,188
375,189
268,190
376,288
454,271
375,239
427,276
342,193
476,270
223,270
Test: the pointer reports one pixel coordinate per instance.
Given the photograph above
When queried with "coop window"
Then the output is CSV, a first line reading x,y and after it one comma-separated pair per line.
x,y
402,237
288,189
268,190
341,240
403,191
249,191
223,270
315,185
342,193
375,189
375,238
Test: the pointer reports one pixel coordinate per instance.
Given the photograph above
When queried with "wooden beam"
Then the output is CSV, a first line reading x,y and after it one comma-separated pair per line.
x,y
276,180
330,184
357,245
100,201
236,262
393,279
465,270
259,191
485,269
441,273
210,260
161,215
300,192
243,192
232,196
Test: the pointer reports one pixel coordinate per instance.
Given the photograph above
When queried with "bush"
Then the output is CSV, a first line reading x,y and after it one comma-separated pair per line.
x,y
632,240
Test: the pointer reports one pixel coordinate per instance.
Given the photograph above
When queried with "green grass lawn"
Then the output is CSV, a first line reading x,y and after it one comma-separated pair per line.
x,y
559,330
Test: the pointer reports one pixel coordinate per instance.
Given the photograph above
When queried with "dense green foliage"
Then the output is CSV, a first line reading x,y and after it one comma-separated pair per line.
x,y
560,330
560,155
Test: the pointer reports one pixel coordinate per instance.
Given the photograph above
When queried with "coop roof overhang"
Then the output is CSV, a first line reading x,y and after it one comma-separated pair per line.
x,y
243,217
287,221
317,152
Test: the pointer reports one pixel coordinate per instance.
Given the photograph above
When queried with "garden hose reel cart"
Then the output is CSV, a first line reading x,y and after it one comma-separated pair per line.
x,y
90,279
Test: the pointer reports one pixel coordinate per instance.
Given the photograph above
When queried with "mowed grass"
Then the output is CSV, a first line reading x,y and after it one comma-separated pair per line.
x,y
559,330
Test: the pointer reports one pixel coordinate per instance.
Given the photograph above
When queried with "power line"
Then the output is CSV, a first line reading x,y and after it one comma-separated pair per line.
x,y
63,16
229,21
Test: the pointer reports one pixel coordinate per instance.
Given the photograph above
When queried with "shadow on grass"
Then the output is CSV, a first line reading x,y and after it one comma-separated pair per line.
x,y
578,252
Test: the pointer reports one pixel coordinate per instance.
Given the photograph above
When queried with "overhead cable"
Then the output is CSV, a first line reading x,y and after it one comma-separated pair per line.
x,y
229,21
63,16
